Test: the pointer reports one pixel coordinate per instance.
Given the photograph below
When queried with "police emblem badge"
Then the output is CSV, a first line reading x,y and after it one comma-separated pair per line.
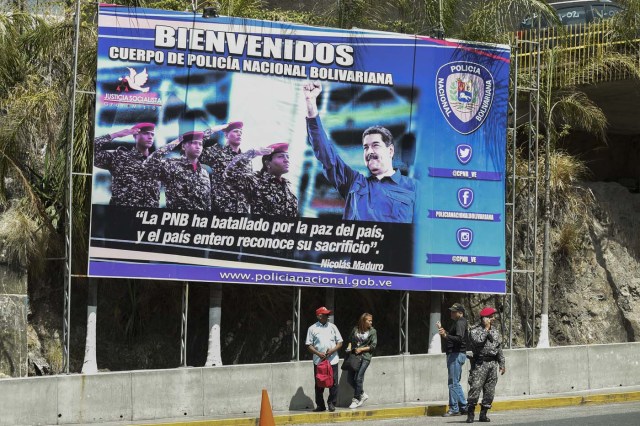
x,y
465,92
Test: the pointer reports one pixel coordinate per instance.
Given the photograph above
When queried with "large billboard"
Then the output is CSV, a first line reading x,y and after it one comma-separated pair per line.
x,y
242,151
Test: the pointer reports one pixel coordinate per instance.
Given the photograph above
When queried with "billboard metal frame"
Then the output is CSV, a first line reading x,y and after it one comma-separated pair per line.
x,y
524,187
516,275
66,326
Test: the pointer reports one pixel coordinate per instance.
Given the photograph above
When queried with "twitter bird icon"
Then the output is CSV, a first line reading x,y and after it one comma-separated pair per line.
x,y
464,153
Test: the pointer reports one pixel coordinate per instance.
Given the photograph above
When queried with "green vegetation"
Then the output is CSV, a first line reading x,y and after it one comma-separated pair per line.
x,y
36,67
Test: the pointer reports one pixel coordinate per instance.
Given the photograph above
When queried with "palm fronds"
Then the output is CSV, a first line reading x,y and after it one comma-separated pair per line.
x,y
576,110
36,60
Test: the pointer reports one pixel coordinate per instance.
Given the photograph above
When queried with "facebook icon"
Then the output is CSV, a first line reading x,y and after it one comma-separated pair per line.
x,y
465,197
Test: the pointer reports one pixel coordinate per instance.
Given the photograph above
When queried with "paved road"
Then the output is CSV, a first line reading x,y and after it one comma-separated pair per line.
x,y
587,415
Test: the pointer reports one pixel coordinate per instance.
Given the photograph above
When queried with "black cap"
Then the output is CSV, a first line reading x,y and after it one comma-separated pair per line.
x,y
457,307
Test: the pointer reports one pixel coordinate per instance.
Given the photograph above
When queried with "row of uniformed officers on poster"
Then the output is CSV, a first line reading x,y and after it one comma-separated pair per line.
x,y
232,186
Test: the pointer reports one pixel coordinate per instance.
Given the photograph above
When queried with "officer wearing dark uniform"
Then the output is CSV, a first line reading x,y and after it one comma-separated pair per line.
x,y
225,196
186,182
486,343
131,183
268,192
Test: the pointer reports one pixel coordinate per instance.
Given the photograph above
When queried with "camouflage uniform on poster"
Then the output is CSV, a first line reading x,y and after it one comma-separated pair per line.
x,y
486,343
131,183
186,182
227,197
273,196
267,191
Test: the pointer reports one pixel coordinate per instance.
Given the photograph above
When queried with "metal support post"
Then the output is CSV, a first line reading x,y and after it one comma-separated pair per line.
x,y
510,196
295,332
330,301
66,323
404,323
435,316
183,328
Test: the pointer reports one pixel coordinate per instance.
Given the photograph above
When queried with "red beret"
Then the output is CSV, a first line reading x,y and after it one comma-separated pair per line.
x,y
279,147
145,127
487,312
234,125
192,136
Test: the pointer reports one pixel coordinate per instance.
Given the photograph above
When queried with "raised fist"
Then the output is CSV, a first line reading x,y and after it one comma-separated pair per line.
x,y
311,89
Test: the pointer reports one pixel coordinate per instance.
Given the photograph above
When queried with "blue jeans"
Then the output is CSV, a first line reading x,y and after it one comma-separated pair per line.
x,y
356,378
457,401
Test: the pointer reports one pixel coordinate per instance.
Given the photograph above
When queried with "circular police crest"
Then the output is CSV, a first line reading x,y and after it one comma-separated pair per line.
x,y
465,92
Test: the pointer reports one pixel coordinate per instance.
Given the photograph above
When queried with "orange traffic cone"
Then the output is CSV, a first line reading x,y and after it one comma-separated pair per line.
x,y
266,414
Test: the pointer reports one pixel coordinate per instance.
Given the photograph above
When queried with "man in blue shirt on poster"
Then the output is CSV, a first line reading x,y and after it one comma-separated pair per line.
x,y
385,195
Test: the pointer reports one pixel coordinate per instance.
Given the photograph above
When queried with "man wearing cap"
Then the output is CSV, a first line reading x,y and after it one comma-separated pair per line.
x,y
186,182
226,195
486,343
268,192
455,347
324,341
131,183
385,195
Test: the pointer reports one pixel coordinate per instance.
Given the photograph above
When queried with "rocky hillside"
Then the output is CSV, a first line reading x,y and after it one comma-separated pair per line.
x,y
596,297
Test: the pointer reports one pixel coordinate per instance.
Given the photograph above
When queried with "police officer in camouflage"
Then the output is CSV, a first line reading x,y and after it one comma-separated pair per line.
x,y
131,183
187,185
227,197
268,192
486,343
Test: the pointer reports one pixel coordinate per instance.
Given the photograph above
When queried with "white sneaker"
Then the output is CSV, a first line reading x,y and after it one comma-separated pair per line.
x,y
363,398
354,403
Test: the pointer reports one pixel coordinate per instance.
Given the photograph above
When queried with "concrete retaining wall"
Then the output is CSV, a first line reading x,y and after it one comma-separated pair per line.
x,y
14,306
236,390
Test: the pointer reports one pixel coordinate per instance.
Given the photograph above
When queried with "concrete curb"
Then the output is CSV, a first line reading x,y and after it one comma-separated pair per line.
x,y
566,401
413,411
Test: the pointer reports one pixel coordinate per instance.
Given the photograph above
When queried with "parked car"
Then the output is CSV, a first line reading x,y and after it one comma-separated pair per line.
x,y
572,12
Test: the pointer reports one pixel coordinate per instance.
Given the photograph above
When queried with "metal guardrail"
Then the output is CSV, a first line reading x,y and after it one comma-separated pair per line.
x,y
582,53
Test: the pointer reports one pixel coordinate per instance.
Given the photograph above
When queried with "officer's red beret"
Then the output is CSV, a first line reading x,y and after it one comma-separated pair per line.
x,y
145,127
487,312
279,147
234,125
192,136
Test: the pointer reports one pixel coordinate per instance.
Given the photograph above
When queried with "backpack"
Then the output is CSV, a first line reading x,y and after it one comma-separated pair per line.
x,y
324,374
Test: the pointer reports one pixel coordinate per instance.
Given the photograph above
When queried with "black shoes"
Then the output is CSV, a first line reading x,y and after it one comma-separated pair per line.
x,y
483,415
470,413
332,408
